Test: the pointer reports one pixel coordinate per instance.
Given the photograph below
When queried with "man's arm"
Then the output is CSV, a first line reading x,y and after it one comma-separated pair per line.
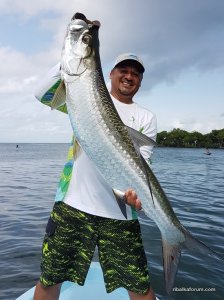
x,y
149,129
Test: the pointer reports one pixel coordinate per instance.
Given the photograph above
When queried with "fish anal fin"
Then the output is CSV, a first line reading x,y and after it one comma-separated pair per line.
x,y
139,138
59,97
120,197
171,257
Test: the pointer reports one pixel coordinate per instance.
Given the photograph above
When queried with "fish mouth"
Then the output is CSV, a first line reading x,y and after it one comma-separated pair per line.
x,y
80,16
87,40
80,22
87,31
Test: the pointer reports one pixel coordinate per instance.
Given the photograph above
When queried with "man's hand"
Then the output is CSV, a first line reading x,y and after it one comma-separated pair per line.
x,y
132,199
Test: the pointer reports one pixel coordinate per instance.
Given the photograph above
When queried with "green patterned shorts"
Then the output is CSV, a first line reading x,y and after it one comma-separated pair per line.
x,y
70,241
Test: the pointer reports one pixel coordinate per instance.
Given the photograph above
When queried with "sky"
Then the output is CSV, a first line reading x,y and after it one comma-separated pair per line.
x,y
181,43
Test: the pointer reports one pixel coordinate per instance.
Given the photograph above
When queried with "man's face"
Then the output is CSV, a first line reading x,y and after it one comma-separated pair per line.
x,y
125,80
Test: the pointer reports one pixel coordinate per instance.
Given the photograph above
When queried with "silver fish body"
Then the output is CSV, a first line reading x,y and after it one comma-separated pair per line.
x,y
99,129
107,141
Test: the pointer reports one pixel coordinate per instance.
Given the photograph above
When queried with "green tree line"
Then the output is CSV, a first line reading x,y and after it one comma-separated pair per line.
x,y
181,138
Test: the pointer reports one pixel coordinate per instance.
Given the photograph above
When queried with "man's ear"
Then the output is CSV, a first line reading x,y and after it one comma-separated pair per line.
x,y
111,73
141,80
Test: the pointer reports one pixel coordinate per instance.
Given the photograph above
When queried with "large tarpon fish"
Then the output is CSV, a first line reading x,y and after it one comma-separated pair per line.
x,y
112,146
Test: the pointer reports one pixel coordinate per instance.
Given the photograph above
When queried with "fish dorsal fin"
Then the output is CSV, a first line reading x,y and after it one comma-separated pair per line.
x,y
139,138
120,197
59,97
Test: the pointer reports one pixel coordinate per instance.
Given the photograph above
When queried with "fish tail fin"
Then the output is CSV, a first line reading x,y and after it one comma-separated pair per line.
x,y
172,254
194,244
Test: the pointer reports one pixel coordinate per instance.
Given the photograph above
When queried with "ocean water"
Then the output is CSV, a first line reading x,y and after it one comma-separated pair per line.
x,y
193,181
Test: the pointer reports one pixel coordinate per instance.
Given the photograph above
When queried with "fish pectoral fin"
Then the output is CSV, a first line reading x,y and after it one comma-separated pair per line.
x,y
139,138
120,197
171,257
59,97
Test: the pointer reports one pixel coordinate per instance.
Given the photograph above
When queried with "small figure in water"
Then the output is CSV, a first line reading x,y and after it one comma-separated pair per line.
x,y
207,152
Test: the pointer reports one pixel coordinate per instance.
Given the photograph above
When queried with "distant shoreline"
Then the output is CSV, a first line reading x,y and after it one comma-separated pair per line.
x,y
64,143
177,138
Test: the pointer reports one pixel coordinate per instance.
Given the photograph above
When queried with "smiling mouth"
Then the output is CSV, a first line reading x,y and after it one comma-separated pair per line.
x,y
127,84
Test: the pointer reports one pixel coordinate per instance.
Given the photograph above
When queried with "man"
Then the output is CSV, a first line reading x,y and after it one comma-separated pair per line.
x,y
86,213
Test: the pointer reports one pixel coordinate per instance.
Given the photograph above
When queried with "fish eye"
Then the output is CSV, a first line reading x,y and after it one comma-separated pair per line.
x,y
87,39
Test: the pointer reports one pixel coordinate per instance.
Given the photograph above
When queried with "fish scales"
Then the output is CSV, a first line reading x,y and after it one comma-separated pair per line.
x,y
104,145
103,136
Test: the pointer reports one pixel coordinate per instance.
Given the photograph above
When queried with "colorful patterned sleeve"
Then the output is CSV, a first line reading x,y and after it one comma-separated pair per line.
x,y
66,174
45,92
48,96
48,86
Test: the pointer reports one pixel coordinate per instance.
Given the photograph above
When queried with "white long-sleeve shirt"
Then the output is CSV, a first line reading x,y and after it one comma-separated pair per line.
x,y
87,190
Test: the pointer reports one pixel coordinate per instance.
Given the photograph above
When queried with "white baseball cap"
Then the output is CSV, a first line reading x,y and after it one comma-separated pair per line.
x,y
130,56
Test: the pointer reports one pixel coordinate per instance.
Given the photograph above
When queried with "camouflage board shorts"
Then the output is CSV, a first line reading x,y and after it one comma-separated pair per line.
x,y
70,241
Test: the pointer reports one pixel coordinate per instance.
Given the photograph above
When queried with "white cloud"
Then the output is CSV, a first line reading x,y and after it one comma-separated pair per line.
x,y
172,37
15,63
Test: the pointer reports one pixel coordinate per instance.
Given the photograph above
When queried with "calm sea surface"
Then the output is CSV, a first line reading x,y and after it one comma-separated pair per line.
x,y
193,181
